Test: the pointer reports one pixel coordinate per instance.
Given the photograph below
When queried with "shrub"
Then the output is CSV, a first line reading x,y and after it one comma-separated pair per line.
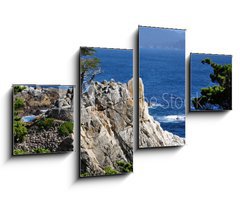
x,y
19,103
125,166
19,152
45,123
19,131
66,128
41,150
17,118
109,171
84,174
18,89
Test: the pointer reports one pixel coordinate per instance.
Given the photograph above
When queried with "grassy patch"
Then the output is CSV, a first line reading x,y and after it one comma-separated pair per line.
x,y
45,123
110,171
18,89
85,174
41,150
66,128
19,152
19,131
125,166
19,103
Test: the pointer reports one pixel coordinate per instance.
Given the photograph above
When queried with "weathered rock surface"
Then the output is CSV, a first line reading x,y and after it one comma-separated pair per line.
x,y
38,99
63,109
151,133
106,127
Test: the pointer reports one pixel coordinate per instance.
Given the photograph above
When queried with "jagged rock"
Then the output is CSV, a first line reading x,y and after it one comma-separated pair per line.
x,y
151,133
66,144
106,127
65,114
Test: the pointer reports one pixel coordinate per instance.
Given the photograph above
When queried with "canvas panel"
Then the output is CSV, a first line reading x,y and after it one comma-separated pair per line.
x,y
42,119
106,119
161,87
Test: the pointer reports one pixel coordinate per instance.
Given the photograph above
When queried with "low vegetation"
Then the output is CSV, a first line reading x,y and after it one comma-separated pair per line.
x,y
19,103
41,150
66,128
125,167
19,131
45,123
18,89
85,174
19,152
110,171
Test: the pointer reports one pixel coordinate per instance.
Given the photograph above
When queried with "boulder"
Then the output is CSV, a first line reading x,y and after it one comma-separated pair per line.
x,y
65,114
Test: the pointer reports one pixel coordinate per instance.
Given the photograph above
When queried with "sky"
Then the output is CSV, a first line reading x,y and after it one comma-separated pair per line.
x,y
151,37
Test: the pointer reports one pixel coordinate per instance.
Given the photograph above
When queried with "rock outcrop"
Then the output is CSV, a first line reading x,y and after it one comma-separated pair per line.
x,y
57,102
37,99
106,127
51,126
151,133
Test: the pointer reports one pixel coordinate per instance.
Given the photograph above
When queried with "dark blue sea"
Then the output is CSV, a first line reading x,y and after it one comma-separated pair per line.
x,y
200,73
115,64
163,75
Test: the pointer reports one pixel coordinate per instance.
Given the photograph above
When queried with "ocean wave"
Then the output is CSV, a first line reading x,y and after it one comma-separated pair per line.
x,y
154,105
170,118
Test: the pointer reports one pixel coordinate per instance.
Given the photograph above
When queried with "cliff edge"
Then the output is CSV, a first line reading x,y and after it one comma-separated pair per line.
x,y
151,133
107,128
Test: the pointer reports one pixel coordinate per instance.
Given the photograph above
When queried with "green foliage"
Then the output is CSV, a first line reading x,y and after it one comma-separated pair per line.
x,y
219,95
19,152
89,65
19,127
87,51
66,128
85,174
18,88
125,166
109,171
45,124
17,118
19,130
19,103
41,150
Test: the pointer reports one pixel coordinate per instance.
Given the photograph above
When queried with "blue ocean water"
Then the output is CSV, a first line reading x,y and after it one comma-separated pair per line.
x,y
163,75
115,64
63,87
29,118
200,73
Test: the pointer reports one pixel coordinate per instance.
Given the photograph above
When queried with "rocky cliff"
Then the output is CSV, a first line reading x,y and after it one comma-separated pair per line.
x,y
151,133
106,129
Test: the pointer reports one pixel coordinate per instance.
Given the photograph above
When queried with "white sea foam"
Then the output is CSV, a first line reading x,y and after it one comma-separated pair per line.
x,y
171,118
154,105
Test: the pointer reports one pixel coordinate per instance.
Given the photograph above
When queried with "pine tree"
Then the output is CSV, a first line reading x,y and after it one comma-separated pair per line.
x,y
89,65
219,95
